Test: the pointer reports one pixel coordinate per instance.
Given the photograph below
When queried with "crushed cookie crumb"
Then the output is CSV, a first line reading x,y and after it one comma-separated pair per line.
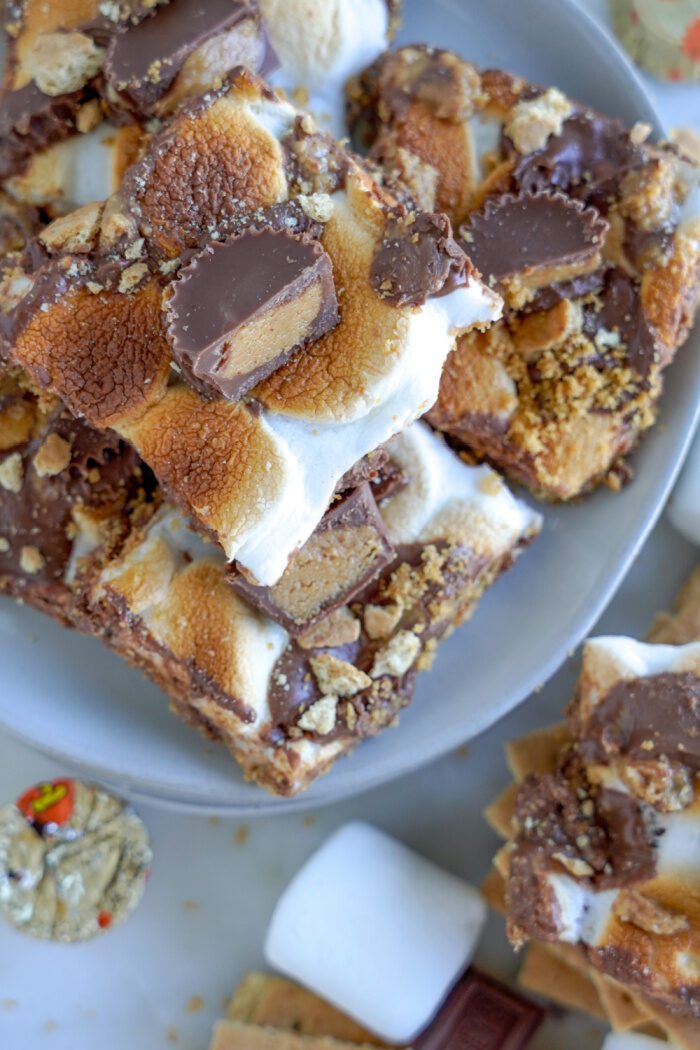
x,y
12,473
320,717
52,457
31,560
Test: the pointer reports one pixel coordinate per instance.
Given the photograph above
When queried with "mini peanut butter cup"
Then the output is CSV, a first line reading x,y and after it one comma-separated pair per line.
x,y
541,237
242,307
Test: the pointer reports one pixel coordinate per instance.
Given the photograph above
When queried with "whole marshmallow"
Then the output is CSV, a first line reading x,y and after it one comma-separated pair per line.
x,y
684,507
634,1041
377,930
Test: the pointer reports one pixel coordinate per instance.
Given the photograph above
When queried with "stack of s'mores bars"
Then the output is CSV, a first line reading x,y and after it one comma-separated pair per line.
x,y
220,328
600,876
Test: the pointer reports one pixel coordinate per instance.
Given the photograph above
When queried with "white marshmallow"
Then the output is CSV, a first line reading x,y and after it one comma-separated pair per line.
x,y
318,453
684,508
376,930
77,171
634,1041
321,44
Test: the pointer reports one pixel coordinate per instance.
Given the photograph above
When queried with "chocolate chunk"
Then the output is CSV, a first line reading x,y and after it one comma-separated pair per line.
x,y
143,61
576,288
36,513
482,1014
642,719
242,307
348,550
385,477
623,314
541,237
30,121
418,259
588,159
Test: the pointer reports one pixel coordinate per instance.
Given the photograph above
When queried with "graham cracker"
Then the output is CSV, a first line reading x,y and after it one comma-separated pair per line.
x,y
493,890
501,812
683,624
273,1002
623,1011
544,974
537,752
233,1035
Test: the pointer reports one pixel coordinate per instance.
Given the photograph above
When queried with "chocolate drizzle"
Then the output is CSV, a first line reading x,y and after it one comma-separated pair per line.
x,y
418,259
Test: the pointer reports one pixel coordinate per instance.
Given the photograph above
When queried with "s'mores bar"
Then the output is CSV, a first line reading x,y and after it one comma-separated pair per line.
x,y
341,308
287,681
601,870
83,79
591,234
286,690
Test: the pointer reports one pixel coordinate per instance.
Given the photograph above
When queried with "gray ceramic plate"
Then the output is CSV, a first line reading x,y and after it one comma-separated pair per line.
x,y
68,697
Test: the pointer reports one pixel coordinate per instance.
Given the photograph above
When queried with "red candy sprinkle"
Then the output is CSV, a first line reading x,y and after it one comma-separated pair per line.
x,y
47,803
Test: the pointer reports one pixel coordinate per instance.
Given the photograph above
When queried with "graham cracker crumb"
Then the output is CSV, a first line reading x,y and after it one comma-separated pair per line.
x,y
381,620
320,717
52,457
12,473
31,560
131,277
534,120
336,677
397,656
242,835
195,1004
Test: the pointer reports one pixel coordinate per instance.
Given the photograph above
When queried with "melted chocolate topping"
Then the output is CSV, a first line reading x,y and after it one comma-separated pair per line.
x,y
418,259
588,160
103,472
647,718
143,61
623,312
30,121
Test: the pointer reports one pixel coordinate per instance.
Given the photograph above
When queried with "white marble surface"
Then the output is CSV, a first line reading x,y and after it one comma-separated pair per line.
x,y
160,980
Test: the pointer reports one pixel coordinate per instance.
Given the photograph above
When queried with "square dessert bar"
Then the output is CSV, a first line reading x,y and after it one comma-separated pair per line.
x,y
287,702
86,536
601,872
249,407
591,234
